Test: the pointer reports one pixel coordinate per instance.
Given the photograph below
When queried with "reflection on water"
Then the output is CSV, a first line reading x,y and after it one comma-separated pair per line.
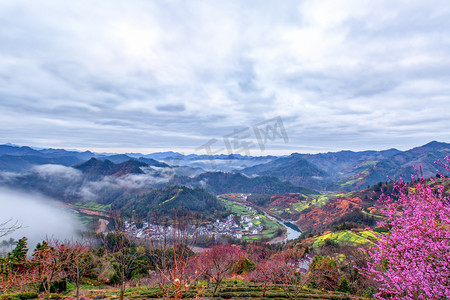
x,y
292,232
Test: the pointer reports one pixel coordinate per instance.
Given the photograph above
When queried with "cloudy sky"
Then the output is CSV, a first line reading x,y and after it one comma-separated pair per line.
x,y
141,75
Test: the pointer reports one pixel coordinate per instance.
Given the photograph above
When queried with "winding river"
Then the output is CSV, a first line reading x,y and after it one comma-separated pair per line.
x,y
292,232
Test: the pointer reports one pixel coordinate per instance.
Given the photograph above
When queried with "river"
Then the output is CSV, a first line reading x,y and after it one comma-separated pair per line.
x,y
292,232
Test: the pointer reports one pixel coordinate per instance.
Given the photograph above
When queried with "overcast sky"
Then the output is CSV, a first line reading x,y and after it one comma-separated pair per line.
x,y
140,75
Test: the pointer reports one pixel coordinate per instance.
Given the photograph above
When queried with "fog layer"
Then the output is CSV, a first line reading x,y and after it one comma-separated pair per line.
x,y
39,216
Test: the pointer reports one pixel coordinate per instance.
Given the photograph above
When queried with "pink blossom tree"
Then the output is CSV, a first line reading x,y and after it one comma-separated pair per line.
x,y
281,269
218,263
412,261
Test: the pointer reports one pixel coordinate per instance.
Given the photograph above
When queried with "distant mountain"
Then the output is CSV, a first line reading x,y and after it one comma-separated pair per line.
x,y
228,157
96,168
21,163
152,162
132,186
120,158
188,171
332,171
17,150
293,168
19,159
116,158
62,153
191,163
169,155
284,185
221,183
344,162
348,170
400,164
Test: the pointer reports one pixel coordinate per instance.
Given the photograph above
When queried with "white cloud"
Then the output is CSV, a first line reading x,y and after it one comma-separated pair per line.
x,y
58,171
39,217
94,75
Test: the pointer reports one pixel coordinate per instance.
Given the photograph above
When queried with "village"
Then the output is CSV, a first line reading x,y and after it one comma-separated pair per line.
x,y
234,226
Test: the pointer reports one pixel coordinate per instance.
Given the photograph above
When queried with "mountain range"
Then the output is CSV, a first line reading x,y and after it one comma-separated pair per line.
x,y
332,171
313,191
348,170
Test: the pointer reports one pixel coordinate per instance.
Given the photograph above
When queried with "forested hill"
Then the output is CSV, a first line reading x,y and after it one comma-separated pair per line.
x,y
221,182
169,201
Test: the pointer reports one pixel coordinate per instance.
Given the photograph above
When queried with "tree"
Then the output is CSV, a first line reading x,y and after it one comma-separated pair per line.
x,y
14,269
243,265
8,227
282,270
324,273
78,262
412,261
354,259
51,261
264,273
175,266
124,251
124,260
218,262
19,253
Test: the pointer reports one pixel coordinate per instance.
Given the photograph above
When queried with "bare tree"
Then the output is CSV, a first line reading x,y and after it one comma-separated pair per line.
x,y
50,260
218,263
172,257
8,227
282,270
124,251
78,262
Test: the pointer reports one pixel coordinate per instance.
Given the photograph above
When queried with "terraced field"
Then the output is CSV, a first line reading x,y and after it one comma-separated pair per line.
x,y
347,238
239,290
92,206
231,289
236,208
89,213
313,200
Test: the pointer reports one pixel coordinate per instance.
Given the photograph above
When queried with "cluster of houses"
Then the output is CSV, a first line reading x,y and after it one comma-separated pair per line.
x,y
233,228
304,263
248,223
244,226
147,230
244,196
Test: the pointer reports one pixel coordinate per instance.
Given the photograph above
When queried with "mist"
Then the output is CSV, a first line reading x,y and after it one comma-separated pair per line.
x,y
67,183
40,217
223,165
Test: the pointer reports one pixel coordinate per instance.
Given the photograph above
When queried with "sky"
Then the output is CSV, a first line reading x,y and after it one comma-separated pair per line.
x,y
146,76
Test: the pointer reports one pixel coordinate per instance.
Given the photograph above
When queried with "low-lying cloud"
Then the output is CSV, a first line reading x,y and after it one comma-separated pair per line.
x,y
152,177
69,183
50,170
40,217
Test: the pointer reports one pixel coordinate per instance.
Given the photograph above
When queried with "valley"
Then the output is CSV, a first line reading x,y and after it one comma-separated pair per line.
x,y
313,192
266,217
